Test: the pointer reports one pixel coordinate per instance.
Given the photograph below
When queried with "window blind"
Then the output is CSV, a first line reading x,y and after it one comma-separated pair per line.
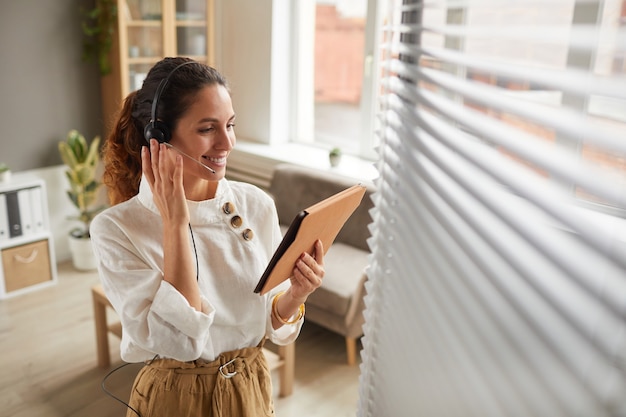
x,y
497,281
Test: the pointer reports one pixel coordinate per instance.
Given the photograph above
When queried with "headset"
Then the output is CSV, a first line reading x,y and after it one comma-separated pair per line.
x,y
156,129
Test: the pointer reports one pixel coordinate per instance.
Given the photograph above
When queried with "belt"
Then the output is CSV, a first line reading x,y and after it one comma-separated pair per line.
x,y
228,364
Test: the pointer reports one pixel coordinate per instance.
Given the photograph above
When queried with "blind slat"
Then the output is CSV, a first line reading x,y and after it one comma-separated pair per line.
x,y
583,37
575,82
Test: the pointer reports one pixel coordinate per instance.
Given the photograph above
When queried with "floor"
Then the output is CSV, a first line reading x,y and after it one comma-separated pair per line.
x,y
49,360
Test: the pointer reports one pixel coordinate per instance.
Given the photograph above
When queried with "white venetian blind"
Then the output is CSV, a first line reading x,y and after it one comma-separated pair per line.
x,y
497,284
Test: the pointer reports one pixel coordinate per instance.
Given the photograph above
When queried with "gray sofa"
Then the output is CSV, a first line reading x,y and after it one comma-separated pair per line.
x,y
338,304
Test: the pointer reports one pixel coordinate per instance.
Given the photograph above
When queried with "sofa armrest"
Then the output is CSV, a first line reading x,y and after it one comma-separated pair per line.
x,y
354,318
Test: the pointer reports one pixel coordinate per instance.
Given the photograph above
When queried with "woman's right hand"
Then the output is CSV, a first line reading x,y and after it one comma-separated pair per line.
x,y
165,178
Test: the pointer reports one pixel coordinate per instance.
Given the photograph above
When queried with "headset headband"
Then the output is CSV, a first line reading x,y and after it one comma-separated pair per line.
x,y
152,130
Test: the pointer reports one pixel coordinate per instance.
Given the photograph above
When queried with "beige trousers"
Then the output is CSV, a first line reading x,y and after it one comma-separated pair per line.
x,y
237,384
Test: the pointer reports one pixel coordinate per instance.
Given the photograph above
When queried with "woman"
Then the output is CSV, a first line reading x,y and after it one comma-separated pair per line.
x,y
182,249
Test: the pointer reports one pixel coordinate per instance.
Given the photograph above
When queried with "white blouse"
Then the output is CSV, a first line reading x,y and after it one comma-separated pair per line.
x,y
233,244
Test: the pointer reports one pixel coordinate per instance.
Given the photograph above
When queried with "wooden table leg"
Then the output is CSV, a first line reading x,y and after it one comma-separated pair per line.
x,y
287,371
102,339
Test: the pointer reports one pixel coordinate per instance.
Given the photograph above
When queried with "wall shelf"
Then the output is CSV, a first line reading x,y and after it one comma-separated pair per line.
x,y
27,260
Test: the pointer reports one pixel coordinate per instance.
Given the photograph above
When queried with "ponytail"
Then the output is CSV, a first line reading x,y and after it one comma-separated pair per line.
x,y
121,154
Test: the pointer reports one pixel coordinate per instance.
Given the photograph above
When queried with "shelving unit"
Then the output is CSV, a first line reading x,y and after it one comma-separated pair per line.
x,y
147,31
26,246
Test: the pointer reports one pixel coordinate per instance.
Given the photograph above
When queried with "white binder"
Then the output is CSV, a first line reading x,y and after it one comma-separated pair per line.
x,y
23,198
37,210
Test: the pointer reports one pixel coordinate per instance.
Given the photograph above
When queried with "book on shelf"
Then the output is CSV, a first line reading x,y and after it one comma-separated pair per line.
x,y
322,221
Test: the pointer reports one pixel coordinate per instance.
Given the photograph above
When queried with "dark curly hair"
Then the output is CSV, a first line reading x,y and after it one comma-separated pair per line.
x,y
121,152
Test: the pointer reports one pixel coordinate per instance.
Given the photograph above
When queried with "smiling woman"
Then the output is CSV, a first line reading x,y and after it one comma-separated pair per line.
x,y
182,248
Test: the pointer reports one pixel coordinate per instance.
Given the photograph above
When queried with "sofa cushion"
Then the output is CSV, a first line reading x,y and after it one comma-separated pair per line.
x,y
344,266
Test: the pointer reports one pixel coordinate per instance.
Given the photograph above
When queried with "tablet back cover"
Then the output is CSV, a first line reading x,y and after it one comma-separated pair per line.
x,y
321,221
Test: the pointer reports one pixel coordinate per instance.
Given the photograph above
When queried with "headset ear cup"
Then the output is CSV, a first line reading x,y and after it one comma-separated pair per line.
x,y
157,130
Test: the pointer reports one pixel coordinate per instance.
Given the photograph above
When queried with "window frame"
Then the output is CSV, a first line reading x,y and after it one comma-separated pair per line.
x,y
302,130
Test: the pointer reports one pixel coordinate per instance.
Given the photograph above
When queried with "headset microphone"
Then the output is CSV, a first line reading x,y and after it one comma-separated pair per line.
x,y
158,130
190,157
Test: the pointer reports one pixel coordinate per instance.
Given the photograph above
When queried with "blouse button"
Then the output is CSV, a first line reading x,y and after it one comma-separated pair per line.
x,y
248,234
236,221
228,208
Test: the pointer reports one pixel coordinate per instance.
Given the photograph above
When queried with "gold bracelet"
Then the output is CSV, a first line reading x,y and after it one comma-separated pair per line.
x,y
278,317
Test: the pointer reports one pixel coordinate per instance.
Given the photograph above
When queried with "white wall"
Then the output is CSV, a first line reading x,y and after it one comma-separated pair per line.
x,y
253,54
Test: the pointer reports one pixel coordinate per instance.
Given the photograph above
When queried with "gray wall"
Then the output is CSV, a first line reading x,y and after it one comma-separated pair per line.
x,y
45,87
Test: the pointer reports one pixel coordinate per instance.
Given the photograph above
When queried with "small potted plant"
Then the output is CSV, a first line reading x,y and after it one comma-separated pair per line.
x,y
5,173
334,156
82,163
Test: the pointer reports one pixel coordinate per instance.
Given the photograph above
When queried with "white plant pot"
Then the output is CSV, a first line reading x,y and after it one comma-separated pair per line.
x,y
5,176
334,160
83,257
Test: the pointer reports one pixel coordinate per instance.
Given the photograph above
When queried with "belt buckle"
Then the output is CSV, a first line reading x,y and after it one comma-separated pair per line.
x,y
224,372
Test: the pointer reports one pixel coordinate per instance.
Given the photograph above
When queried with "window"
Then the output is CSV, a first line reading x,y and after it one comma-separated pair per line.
x,y
497,279
335,68
255,48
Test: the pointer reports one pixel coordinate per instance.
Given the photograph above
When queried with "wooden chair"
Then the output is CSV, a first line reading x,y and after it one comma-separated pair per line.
x,y
283,360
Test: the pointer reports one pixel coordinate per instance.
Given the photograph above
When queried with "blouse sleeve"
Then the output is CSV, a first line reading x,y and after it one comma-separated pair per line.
x,y
154,315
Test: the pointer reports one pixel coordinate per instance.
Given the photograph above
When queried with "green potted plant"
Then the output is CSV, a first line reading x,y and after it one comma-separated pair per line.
x,y
82,163
5,172
334,156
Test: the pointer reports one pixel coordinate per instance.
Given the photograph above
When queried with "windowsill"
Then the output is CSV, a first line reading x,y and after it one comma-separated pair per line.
x,y
268,156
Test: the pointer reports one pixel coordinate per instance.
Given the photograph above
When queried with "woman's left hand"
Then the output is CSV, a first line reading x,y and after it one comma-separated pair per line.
x,y
307,277
308,273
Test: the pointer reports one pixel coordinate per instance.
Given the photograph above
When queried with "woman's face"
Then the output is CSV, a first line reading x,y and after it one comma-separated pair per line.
x,y
206,132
